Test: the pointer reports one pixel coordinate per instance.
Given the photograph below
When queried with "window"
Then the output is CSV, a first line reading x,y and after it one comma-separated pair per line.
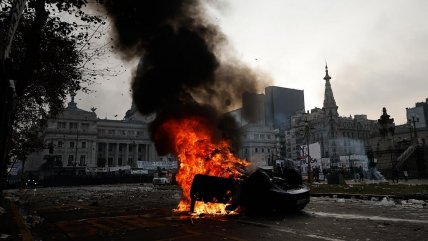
x,y
82,160
119,161
110,161
123,133
139,149
130,148
256,150
61,125
110,147
101,131
71,144
70,160
268,136
83,144
60,143
139,133
85,126
130,161
73,125
263,150
268,150
111,132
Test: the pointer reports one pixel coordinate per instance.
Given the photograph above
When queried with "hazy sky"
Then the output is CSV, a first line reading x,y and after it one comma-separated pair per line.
x,y
377,53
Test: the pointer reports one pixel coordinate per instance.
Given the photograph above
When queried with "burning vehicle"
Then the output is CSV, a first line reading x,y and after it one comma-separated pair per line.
x,y
261,192
214,190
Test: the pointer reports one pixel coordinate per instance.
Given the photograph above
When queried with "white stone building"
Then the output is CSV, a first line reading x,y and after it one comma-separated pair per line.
x,y
83,143
258,145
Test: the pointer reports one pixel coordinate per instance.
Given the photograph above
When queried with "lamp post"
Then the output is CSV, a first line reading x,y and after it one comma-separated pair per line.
x,y
77,143
412,122
351,166
307,135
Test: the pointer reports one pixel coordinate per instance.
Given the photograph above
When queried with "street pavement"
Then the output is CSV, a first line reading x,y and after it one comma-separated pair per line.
x,y
401,181
144,212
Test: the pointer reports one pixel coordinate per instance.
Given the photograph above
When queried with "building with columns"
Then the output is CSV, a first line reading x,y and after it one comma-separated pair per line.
x,y
82,143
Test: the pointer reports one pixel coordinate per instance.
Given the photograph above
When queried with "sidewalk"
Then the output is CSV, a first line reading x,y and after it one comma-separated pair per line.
x,y
401,181
412,189
12,227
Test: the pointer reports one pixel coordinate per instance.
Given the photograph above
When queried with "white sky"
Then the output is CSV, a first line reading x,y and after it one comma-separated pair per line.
x,y
377,53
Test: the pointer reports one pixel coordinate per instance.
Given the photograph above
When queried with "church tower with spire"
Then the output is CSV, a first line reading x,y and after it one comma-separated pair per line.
x,y
329,107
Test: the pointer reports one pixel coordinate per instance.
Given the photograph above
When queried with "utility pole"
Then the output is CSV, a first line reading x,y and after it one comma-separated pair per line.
x,y
412,122
307,134
77,143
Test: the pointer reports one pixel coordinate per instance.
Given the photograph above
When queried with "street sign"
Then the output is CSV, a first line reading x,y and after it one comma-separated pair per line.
x,y
15,14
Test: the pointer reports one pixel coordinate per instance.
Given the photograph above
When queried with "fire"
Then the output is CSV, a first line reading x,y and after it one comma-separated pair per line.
x,y
199,152
210,208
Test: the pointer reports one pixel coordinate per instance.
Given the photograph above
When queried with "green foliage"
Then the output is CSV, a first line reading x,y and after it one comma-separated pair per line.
x,y
47,56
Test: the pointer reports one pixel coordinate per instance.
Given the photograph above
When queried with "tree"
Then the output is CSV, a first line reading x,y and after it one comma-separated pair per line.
x,y
47,56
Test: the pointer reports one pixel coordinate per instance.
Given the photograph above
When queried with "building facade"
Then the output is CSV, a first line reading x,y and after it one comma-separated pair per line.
x,y
337,135
418,114
258,145
274,107
281,104
401,147
80,142
262,119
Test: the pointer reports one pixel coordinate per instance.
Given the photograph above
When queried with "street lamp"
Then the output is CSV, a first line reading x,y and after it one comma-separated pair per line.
x,y
412,123
77,143
307,132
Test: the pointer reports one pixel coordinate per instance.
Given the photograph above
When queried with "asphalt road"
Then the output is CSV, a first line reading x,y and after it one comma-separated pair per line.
x,y
142,212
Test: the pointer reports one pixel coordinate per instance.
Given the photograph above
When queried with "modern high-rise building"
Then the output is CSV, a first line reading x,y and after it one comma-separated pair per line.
x,y
281,103
253,108
274,108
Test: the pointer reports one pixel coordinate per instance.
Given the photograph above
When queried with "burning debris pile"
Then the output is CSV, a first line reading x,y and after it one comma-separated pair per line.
x,y
188,80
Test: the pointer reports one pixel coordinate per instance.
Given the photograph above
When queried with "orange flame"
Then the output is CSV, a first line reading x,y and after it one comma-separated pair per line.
x,y
198,153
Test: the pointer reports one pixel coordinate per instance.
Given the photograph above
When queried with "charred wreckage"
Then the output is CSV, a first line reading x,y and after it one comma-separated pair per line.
x,y
263,191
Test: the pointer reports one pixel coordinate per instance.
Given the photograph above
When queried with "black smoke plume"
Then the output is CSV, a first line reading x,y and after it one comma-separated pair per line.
x,y
182,67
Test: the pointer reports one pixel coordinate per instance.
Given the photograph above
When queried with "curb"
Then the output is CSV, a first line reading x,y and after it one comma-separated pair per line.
x,y
423,197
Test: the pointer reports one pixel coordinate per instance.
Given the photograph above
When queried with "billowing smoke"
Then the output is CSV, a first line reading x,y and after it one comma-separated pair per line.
x,y
184,66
